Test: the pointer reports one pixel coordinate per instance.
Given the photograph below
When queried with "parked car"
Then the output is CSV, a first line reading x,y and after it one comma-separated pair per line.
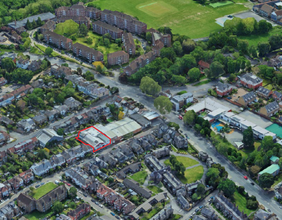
x,y
245,177
113,214
180,117
85,194
117,217
92,200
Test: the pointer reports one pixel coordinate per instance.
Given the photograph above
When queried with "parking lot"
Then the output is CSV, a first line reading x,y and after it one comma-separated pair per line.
x,y
235,136
262,122
240,93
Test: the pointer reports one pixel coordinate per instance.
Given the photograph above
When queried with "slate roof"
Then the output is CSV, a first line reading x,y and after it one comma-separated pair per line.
x,y
272,106
72,103
249,96
278,94
250,78
263,91
135,187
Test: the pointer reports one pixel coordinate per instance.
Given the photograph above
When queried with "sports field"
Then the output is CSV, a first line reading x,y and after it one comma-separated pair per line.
x,y
182,16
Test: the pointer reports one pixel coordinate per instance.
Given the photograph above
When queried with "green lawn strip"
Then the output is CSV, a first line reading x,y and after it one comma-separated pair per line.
x,y
220,4
41,191
176,217
203,82
187,162
192,175
139,177
155,189
35,215
277,179
183,17
255,39
241,202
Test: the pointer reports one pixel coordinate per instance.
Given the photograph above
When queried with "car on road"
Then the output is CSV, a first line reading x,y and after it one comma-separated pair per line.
x,y
68,184
268,210
101,205
113,214
85,194
253,183
230,16
245,177
180,117
197,210
92,200
117,217
97,203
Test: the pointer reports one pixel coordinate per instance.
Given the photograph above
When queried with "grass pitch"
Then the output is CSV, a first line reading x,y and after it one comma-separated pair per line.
x,y
220,4
182,16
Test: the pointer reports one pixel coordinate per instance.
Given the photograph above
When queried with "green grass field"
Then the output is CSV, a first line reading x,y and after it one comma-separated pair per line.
x,y
139,177
192,175
241,202
187,162
155,189
220,4
35,215
182,16
255,39
41,191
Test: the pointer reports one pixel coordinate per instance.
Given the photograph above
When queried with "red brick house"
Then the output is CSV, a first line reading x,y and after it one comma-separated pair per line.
x,y
157,48
104,28
164,38
78,19
58,40
25,146
250,80
203,65
123,21
16,182
110,198
128,43
103,191
118,58
88,53
27,176
79,212
277,96
223,89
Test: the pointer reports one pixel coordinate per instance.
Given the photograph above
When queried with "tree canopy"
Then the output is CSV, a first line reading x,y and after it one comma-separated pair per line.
x,y
163,104
149,86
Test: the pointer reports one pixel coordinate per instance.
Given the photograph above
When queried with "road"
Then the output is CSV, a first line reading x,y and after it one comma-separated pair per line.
x,y
265,198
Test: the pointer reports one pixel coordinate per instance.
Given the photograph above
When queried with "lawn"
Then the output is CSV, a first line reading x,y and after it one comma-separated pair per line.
x,y
255,39
220,4
183,17
42,48
95,37
241,202
192,175
187,162
155,189
203,82
277,179
35,215
139,177
41,191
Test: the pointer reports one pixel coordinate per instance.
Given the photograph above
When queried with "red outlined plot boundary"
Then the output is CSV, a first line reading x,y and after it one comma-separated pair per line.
x,y
77,138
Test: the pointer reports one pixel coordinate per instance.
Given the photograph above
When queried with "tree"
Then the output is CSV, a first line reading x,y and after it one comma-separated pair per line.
x,y
194,74
195,197
169,53
243,46
89,40
72,192
280,163
232,77
253,51
248,137
189,117
267,143
188,46
39,22
163,104
58,207
216,69
177,48
228,187
83,30
263,48
266,180
8,64
99,69
107,42
148,36
264,26
28,25
241,190
200,189
149,86
48,51
213,176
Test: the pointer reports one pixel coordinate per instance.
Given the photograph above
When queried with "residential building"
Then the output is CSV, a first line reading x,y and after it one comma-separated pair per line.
x,y
273,169
35,65
164,214
263,92
269,109
60,71
250,80
266,10
72,103
183,203
104,28
157,48
118,58
161,152
131,184
223,89
4,137
3,81
277,96
264,215
203,65
82,210
79,177
87,53
247,98
274,160
25,146
26,125
58,40
179,101
139,62
16,182
41,168
128,43
78,19
27,176
123,21
49,25
132,168
48,136
45,202
159,37
22,63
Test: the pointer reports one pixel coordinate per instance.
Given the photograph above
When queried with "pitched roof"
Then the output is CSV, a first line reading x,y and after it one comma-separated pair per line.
x,y
204,64
263,90
117,54
267,8
249,96
250,78
272,106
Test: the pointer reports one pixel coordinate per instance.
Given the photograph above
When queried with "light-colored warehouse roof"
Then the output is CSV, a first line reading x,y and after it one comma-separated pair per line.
x,y
208,104
119,128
